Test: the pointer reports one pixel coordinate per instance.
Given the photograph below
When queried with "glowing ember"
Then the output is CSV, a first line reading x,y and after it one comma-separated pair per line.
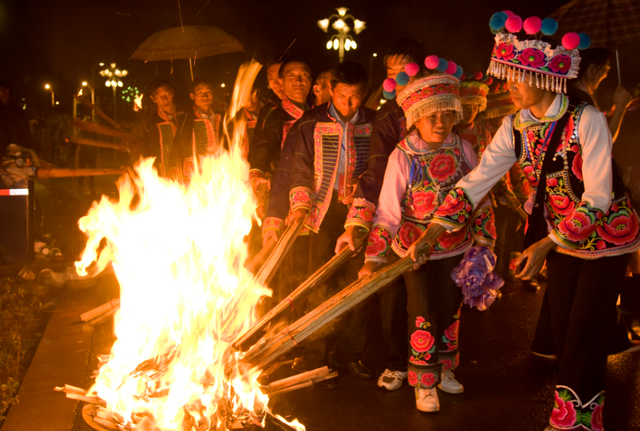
x,y
179,255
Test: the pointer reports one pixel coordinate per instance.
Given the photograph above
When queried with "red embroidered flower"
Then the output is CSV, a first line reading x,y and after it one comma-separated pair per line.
x,y
561,204
576,166
620,228
376,246
442,89
449,240
596,418
569,132
413,378
464,91
475,91
528,172
442,166
552,182
446,364
366,214
409,233
452,332
300,197
428,379
577,227
425,202
490,227
560,64
419,321
563,414
421,341
450,206
601,245
532,57
504,51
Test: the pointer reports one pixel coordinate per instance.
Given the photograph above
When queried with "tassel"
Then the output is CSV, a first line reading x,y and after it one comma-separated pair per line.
x,y
537,81
530,79
565,84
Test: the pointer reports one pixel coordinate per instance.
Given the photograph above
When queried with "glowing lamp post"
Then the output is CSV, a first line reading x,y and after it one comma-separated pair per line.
x,y
53,99
113,76
341,41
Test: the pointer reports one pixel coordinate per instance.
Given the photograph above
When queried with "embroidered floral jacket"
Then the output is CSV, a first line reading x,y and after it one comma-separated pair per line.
x,y
264,153
316,141
417,180
588,214
389,127
160,131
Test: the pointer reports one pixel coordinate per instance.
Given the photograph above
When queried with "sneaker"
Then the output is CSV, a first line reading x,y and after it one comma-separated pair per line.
x,y
392,380
449,384
548,357
427,400
635,346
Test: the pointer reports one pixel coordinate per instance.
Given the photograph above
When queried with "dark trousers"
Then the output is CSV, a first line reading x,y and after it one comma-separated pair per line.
x,y
393,316
433,307
582,294
349,330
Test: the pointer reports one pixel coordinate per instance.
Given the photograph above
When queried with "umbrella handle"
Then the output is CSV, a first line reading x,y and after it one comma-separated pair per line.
x,y
618,64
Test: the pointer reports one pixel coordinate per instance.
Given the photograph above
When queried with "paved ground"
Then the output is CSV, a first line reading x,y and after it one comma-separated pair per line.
x,y
505,388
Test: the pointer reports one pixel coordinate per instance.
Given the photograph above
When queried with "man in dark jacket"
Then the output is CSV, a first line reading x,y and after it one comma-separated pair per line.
x,y
14,128
329,151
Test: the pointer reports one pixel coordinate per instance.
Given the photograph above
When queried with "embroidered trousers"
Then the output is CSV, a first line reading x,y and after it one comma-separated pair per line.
x,y
348,331
433,307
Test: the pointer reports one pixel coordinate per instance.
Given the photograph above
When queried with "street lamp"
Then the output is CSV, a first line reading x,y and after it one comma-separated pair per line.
x,y
53,99
81,90
113,76
341,41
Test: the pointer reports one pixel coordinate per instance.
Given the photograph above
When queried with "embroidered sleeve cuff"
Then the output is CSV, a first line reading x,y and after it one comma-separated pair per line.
x,y
378,244
361,214
300,197
273,224
484,227
577,227
255,173
455,211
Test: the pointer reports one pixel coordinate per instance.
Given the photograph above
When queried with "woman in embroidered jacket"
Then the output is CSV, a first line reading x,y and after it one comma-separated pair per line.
x,y
591,226
421,171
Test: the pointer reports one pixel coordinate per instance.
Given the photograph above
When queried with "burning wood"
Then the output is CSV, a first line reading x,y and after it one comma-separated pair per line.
x,y
101,313
267,350
264,275
300,381
296,297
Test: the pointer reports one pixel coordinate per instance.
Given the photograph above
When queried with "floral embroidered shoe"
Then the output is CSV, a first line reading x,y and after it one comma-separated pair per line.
x,y
449,384
392,380
427,400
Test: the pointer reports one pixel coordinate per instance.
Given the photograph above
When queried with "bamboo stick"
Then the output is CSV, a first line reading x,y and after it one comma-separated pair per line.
x,y
254,264
264,275
296,379
103,130
300,294
104,116
96,143
98,311
264,353
63,173
304,384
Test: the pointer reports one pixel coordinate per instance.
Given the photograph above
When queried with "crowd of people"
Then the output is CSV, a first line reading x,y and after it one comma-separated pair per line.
x,y
449,162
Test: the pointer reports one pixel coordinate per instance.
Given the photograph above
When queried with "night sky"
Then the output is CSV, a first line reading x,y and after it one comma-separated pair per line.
x,y
58,41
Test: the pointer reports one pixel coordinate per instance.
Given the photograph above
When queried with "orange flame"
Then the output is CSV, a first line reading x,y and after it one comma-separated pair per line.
x,y
179,255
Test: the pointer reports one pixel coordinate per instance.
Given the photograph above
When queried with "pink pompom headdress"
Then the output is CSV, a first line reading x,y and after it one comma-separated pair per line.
x,y
475,89
548,67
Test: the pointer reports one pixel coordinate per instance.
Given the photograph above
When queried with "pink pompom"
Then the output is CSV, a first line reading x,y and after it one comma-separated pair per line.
x,y
389,84
571,40
532,25
489,80
509,13
463,77
432,61
452,68
412,69
477,76
513,24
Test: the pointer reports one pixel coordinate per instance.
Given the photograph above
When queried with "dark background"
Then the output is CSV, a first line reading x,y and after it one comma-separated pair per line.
x,y
58,42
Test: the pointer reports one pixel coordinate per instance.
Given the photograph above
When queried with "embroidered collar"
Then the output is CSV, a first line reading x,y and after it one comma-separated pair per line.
x,y
199,115
558,108
165,116
291,109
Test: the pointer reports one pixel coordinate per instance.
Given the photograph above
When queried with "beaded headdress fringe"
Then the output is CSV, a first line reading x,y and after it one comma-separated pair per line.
x,y
442,102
